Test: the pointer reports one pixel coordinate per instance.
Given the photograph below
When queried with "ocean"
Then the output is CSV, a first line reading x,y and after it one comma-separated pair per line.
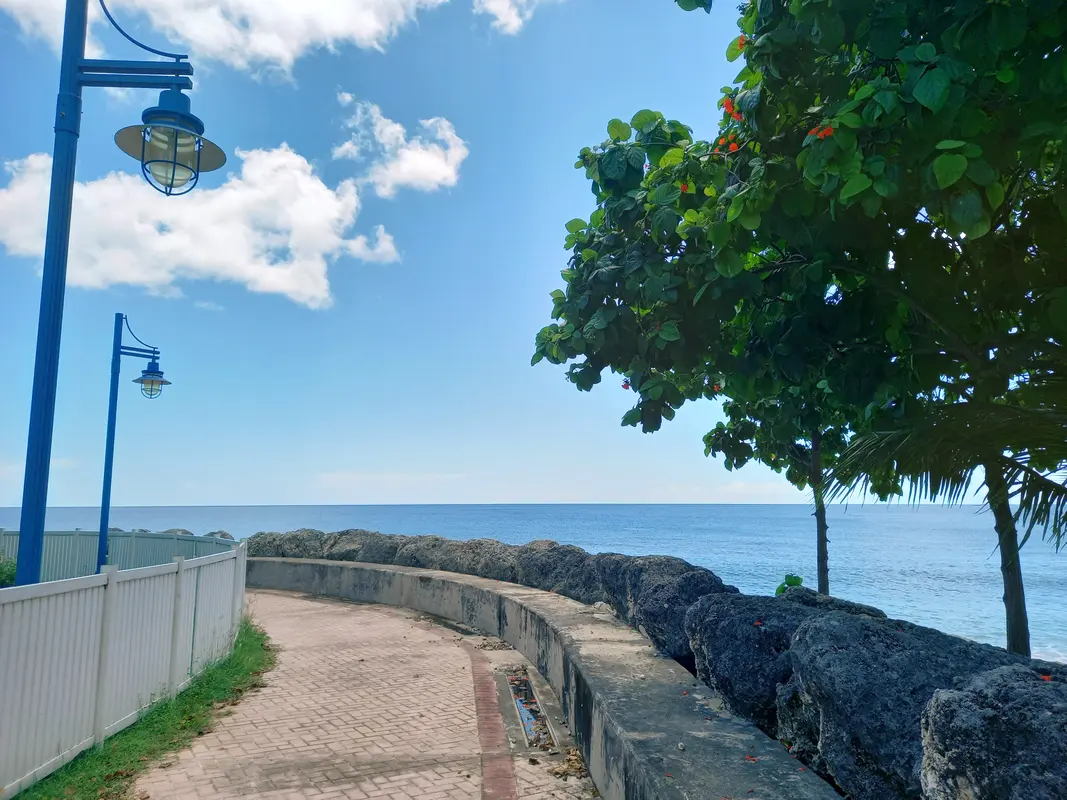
x,y
932,565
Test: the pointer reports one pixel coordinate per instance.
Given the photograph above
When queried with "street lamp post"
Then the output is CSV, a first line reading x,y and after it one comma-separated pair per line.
x,y
170,146
152,383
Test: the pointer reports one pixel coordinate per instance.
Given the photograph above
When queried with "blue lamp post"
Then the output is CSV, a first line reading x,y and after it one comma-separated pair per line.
x,y
152,383
173,153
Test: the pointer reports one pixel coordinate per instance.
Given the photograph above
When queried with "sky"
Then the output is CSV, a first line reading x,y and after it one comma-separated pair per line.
x,y
347,309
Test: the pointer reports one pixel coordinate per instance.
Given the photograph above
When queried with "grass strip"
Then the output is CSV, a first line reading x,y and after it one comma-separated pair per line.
x,y
108,771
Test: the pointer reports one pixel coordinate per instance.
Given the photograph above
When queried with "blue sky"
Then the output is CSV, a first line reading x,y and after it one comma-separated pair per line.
x,y
339,329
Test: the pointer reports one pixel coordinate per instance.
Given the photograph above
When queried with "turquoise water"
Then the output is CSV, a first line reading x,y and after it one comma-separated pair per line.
x,y
935,566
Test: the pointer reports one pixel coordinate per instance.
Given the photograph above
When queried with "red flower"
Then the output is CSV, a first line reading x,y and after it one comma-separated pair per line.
x,y
716,151
826,133
722,141
716,388
813,131
733,147
733,137
685,187
729,105
737,115
742,40
625,384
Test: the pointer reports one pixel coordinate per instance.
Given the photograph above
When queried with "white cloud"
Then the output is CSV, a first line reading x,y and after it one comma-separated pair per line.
x,y
207,305
508,15
345,98
252,33
426,163
275,227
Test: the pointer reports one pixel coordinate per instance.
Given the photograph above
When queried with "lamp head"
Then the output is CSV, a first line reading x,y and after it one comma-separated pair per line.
x,y
152,381
170,145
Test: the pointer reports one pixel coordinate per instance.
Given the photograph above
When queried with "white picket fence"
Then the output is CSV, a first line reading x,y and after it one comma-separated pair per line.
x,y
72,554
81,659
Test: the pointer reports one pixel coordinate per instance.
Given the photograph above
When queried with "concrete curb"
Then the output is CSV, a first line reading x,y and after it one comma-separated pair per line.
x,y
647,728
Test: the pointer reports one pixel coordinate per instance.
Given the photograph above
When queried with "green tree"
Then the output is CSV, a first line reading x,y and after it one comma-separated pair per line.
x,y
885,188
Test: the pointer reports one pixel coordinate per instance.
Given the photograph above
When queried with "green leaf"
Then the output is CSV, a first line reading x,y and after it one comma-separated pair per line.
x,y
666,194
645,120
700,292
1006,75
589,255
576,225
619,130
950,144
932,89
851,120
729,264
537,358
673,156
793,580
994,193
631,417
885,187
669,332
980,172
926,52
734,50
864,92
966,209
737,207
613,164
949,168
855,185
750,219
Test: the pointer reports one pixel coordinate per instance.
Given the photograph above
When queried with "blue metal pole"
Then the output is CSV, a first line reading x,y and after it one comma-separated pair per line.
x,y
109,447
50,322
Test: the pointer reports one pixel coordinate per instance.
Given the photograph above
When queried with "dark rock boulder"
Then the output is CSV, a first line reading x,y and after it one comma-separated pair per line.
x,y
741,648
221,535
823,602
659,592
741,644
369,547
1003,736
485,558
303,543
853,705
561,568
178,531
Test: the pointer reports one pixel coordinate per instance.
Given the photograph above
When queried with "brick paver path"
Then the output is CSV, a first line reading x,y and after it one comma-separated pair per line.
x,y
365,702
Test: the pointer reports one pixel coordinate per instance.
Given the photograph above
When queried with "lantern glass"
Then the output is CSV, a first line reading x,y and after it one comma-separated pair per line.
x,y
170,155
152,381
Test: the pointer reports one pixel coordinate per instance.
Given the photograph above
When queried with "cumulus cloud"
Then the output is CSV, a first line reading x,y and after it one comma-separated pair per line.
x,y
424,162
251,33
508,15
275,227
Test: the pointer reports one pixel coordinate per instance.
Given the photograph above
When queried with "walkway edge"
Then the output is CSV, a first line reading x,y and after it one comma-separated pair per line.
x,y
647,730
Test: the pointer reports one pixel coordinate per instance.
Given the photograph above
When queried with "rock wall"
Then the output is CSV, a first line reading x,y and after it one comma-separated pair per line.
x,y
884,709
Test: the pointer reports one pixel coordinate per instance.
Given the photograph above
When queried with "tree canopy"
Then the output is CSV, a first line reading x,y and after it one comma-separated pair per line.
x,y
872,246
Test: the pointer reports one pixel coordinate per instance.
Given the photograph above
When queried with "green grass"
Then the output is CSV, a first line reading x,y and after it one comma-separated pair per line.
x,y
107,772
7,572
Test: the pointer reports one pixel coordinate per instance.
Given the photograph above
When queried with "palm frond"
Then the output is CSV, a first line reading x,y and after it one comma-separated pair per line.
x,y
938,452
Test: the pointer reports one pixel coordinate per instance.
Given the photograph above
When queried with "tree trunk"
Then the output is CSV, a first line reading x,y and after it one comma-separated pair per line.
x,y
820,514
1010,568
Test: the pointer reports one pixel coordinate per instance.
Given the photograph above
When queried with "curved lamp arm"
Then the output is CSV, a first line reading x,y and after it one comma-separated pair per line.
x,y
175,56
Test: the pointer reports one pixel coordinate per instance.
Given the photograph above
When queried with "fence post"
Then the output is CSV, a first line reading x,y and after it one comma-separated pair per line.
x,y
175,676
237,603
107,622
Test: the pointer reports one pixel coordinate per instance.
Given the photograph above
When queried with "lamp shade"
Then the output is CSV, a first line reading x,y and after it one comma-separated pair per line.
x,y
170,145
152,381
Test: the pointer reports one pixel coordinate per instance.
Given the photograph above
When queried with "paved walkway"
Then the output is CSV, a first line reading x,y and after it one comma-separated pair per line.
x,y
365,702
